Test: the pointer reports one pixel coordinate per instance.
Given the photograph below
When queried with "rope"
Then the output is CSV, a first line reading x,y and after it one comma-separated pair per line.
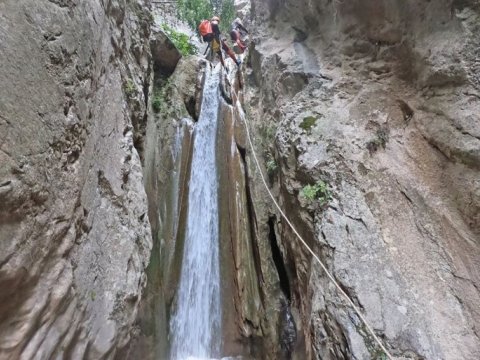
x,y
330,276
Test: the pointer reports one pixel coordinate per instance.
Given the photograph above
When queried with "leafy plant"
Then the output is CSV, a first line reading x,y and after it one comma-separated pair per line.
x,y
267,133
382,356
226,9
380,140
194,11
157,103
318,191
159,96
130,88
308,122
270,164
180,40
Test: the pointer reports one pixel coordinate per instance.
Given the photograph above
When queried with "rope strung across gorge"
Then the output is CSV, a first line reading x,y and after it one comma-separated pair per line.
x,y
330,276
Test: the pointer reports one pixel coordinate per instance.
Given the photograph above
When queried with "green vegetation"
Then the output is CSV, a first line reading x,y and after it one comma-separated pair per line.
x,y
194,11
308,123
159,96
270,164
93,295
180,40
157,102
375,352
382,356
267,133
318,191
130,88
380,140
226,9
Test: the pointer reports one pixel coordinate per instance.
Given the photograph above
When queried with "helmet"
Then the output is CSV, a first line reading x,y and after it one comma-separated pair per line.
x,y
216,18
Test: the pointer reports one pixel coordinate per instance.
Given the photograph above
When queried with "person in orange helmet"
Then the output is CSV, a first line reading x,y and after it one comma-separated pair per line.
x,y
210,30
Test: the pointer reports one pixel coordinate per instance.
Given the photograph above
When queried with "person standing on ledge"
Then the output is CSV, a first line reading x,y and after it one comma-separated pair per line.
x,y
210,31
238,33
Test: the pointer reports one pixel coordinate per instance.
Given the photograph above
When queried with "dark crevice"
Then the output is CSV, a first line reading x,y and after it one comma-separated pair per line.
x,y
146,92
406,110
278,259
435,146
360,220
406,197
225,92
350,293
139,132
300,35
190,105
243,154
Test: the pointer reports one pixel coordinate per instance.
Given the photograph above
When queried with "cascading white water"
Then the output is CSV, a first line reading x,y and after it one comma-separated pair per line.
x,y
195,325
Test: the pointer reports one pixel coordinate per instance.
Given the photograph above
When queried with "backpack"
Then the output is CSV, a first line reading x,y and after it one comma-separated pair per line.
x,y
205,28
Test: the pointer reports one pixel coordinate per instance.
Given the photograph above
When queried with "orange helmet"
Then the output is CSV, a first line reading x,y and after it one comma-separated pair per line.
x,y
215,18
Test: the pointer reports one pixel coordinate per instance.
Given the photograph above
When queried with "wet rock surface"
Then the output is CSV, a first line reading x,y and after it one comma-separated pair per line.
x,y
74,231
166,175
380,102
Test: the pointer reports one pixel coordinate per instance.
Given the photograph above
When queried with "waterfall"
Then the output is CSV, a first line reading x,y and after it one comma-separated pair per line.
x,y
195,324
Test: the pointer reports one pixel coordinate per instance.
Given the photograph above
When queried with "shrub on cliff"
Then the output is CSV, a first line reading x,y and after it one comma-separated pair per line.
x,y
194,11
319,191
180,40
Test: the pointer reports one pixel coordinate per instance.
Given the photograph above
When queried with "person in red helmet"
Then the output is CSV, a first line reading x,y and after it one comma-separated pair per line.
x,y
210,30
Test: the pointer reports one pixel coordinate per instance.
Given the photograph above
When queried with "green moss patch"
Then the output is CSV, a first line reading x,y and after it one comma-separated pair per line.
x,y
308,123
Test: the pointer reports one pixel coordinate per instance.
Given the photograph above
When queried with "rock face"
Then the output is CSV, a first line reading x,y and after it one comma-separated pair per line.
x,y
74,232
373,103
379,100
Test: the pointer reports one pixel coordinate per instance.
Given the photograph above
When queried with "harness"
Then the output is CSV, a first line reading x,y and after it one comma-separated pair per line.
x,y
215,45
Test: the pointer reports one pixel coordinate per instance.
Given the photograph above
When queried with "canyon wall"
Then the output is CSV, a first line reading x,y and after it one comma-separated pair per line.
x,y
74,233
373,104
377,100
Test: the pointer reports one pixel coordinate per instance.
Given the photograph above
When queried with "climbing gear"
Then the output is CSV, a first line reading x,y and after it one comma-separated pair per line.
x,y
205,28
206,50
210,32
215,46
329,275
215,49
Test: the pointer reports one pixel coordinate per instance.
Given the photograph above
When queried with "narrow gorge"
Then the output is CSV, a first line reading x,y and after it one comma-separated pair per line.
x,y
136,181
